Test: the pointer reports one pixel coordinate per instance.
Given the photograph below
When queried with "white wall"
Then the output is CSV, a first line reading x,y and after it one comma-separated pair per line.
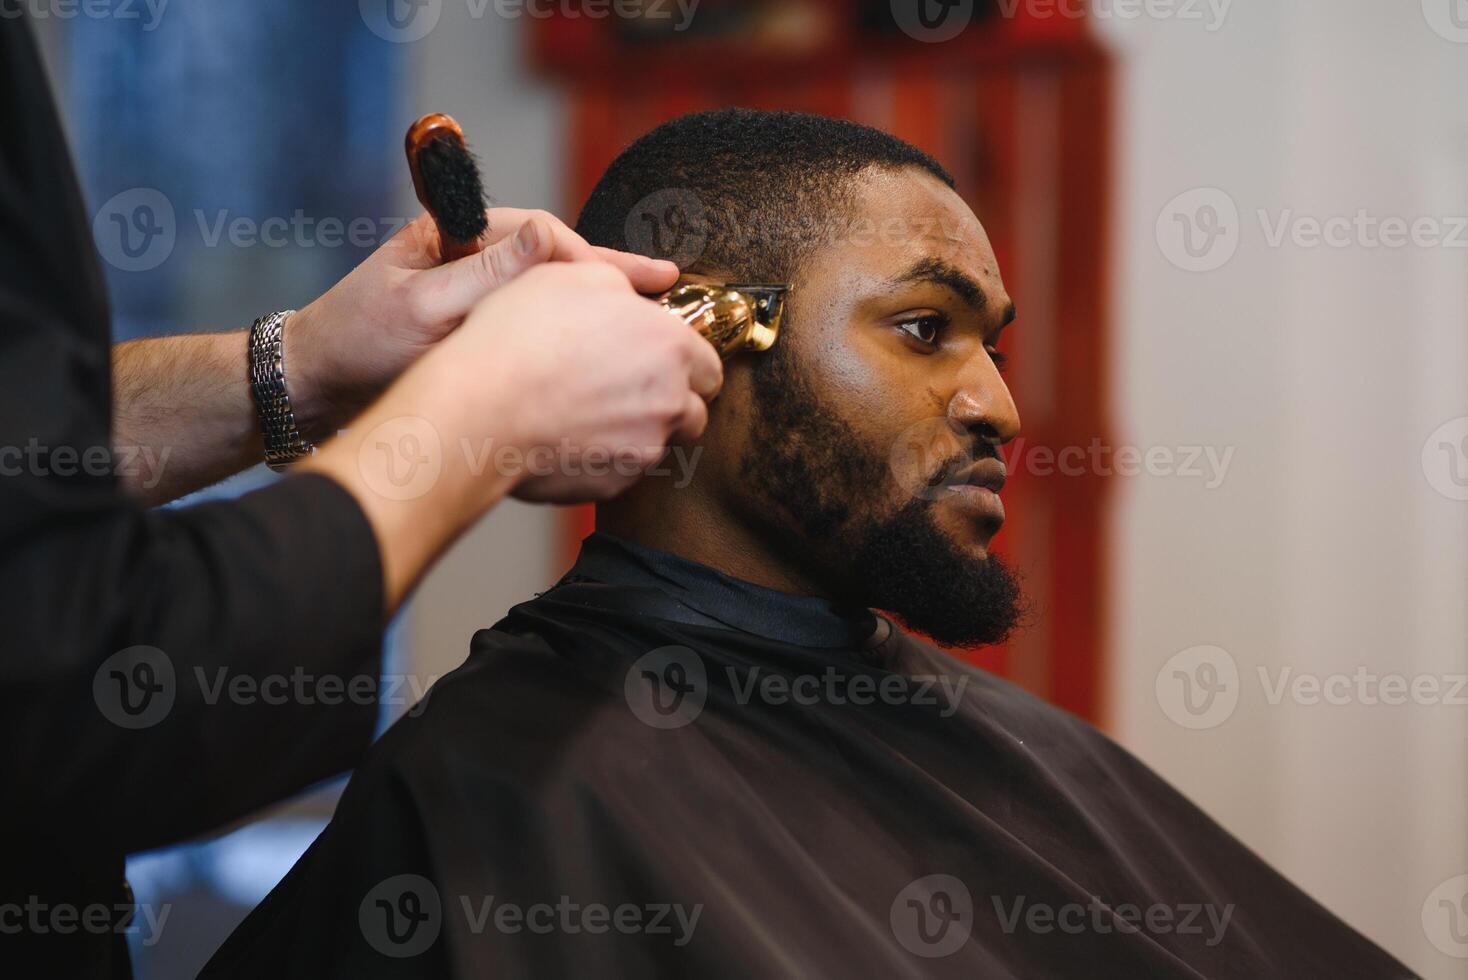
x,y
1326,549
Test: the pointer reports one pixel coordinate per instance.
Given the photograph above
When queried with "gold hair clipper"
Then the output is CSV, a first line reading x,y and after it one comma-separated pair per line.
x,y
733,318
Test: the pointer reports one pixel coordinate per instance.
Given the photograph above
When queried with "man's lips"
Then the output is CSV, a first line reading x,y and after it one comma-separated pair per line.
x,y
989,473
976,490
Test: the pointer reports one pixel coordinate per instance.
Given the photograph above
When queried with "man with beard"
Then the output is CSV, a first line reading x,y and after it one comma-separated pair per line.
x,y
701,753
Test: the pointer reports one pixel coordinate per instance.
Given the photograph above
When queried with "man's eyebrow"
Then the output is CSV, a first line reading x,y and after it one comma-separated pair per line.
x,y
945,273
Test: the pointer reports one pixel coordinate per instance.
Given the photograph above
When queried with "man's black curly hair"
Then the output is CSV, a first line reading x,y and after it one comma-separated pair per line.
x,y
739,192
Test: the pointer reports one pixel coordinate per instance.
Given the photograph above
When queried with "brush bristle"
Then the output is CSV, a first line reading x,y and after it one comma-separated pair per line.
x,y
451,182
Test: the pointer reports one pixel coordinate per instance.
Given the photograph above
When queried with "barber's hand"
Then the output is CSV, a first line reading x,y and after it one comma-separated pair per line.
x,y
566,367
345,348
599,379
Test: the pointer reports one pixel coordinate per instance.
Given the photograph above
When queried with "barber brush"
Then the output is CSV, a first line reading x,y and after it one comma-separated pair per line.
x,y
446,180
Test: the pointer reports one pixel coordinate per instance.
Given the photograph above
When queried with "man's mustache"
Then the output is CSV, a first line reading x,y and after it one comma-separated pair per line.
x,y
953,471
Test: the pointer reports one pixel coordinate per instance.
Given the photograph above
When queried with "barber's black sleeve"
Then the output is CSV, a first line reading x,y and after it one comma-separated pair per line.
x,y
161,672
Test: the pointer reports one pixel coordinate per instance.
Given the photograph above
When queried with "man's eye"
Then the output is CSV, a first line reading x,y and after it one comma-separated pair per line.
x,y
1000,359
924,329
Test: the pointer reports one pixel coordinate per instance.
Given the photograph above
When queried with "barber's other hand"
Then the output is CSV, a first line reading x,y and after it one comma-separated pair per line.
x,y
346,347
597,379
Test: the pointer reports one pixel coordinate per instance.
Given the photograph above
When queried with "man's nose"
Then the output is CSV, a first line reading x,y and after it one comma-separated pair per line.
x,y
983,405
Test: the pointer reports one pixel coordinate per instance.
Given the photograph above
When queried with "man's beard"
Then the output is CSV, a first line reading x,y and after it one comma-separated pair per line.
x,y
809,465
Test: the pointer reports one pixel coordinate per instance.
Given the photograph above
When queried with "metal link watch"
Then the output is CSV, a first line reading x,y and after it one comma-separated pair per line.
x,y
284,443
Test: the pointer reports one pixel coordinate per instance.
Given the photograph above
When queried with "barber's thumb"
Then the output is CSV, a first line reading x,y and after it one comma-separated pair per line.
x,y
530,245
459,286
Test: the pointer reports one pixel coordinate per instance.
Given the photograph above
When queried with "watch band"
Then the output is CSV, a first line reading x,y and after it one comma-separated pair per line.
x,y
284,443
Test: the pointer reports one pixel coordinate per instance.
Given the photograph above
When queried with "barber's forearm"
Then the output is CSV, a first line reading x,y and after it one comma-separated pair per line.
x,y
182,405
183,415
416,486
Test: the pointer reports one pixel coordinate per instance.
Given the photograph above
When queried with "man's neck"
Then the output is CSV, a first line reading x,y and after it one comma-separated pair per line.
x,y
687,523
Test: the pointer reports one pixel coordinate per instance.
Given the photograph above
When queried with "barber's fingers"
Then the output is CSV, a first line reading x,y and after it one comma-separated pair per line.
x,y
450,291
692,422
705,368
532,243
646,275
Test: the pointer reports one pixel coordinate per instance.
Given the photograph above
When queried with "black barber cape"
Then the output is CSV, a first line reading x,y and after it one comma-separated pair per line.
x,y
656,770
117,623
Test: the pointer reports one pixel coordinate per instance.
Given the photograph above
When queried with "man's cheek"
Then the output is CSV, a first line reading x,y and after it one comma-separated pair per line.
x,y
919,454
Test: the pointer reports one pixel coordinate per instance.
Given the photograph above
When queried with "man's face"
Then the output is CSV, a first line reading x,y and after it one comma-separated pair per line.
x,y
866,440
